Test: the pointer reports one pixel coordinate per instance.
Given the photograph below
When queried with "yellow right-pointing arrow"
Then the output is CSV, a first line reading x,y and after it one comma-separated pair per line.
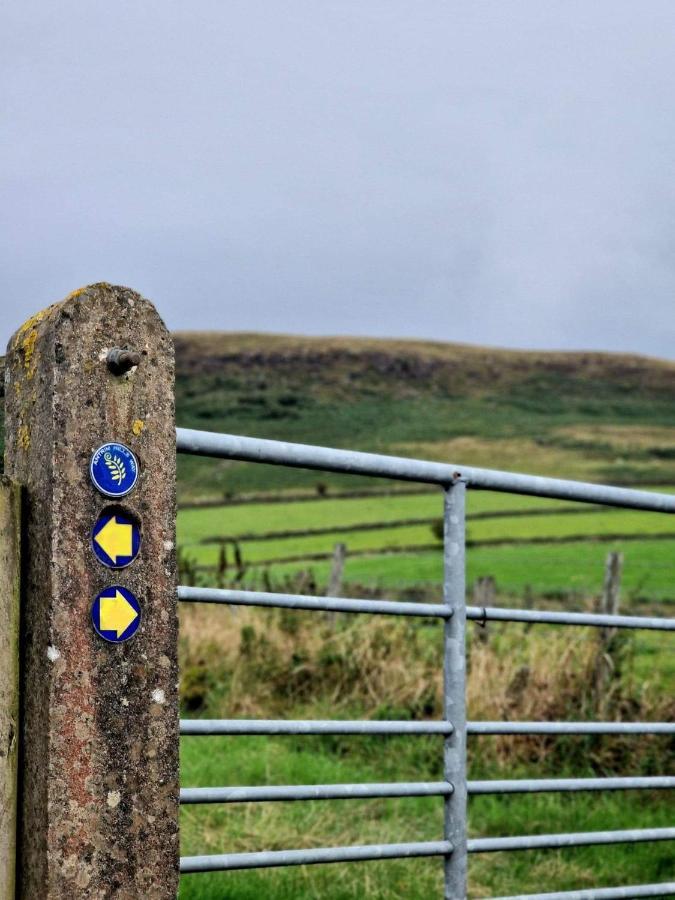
x,y
116,539
115,613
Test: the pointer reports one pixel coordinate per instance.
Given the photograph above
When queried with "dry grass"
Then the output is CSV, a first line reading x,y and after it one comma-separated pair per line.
x,y
279,658
288,664
281,663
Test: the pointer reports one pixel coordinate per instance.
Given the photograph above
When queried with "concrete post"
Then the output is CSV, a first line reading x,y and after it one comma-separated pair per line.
x,y
10,542
99,730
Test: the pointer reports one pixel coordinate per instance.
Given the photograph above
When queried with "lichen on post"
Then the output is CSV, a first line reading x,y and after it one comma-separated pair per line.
x,y
10,546
99,729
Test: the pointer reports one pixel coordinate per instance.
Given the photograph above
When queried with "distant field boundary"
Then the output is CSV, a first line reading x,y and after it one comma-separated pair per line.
x,y
426,548
314,497
252,536
305,497
393,523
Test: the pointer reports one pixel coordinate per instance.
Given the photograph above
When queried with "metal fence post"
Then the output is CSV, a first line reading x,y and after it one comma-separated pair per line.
x,y
99,726
454,697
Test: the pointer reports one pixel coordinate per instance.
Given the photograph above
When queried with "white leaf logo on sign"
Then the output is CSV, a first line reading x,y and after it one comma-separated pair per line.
x,y
116,467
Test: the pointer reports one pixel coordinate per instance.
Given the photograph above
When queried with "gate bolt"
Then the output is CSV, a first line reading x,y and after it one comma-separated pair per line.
x,y
120,361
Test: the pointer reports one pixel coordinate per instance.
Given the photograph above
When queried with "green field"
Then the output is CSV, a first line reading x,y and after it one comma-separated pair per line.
x,y
554,568
295,664
570,415
552,554
237,828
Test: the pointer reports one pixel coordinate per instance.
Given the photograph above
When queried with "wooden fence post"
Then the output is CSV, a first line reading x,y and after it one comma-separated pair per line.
x,y
99,728
611,594
337,568
10,542
607,604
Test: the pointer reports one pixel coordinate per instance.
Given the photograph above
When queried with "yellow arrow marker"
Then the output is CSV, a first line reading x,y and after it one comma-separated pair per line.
x,y
116,539
115,613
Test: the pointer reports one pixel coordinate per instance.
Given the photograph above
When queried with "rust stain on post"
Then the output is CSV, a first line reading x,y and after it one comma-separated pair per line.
x,y
10,542
99,799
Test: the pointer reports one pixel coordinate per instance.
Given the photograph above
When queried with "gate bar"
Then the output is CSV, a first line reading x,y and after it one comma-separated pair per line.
x,y
327,459
546,617
314,792
310,726
271,858
613,893
571,728
189,594
374,726
553,785
575,839
271,793
301,601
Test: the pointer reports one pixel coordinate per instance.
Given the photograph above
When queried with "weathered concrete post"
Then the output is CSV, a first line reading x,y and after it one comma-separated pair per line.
x,y
99,731
10,546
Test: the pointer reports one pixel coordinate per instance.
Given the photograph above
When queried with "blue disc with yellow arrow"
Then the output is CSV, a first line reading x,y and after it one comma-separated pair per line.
x,y
116,539
115,614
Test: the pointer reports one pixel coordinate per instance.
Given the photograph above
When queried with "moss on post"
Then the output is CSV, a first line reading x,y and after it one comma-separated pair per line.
x,y
10,544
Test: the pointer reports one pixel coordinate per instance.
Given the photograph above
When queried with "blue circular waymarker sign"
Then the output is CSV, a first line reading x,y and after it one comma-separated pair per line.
x,y
115,614
116,539
114,470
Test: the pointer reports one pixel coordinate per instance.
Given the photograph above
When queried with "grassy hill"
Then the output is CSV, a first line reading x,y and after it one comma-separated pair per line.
x,y
588,415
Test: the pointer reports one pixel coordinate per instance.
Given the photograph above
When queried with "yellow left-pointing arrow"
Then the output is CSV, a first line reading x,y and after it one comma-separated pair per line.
x,y
115,613
116,539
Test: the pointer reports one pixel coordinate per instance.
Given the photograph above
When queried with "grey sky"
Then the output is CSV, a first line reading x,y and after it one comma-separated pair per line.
x,y
493,171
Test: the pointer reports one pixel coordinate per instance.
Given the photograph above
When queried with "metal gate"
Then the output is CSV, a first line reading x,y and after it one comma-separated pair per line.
x,y
453,846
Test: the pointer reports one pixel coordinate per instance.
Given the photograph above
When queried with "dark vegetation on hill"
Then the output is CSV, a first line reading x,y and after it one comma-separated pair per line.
x,y
571,414
594,415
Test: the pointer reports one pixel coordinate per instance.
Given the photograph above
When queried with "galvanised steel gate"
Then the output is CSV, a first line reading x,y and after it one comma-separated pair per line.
x,y
454,845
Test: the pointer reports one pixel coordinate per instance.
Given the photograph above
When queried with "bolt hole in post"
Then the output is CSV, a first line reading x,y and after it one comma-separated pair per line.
x,y
454,697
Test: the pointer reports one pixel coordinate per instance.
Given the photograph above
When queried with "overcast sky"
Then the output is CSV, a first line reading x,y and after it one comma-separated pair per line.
x,y
492,171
